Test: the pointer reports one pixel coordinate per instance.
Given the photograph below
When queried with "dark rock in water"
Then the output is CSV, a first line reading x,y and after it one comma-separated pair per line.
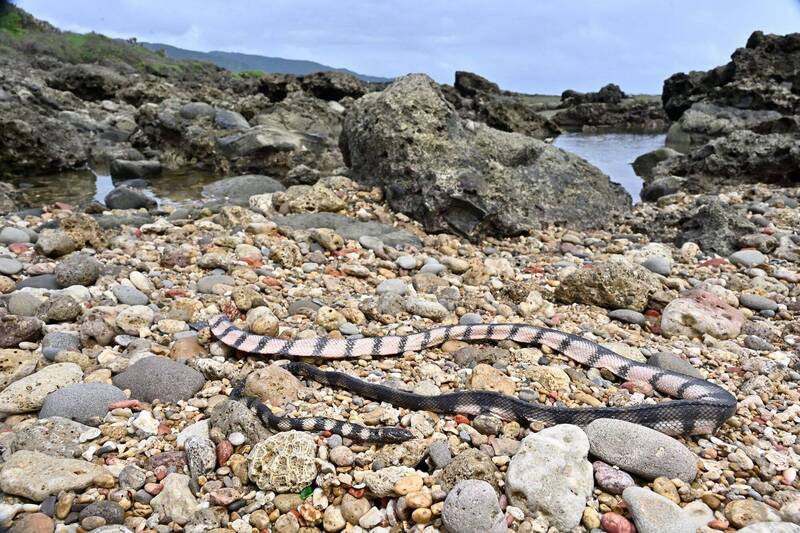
x,y
43,281
238,189
469,84
715,227
644,164
742,156
127,198
16,329
128,170
454,175
230,120
659,187
88,82
160,378
86,403
78,269
349,228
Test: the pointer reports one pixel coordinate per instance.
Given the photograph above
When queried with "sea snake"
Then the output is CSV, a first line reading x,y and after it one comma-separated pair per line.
x,y
700,406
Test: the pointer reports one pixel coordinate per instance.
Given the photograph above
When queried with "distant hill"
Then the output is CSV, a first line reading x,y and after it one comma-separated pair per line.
x,y
236,62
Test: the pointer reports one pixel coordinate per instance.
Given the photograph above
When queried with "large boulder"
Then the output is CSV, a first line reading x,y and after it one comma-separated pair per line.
x,y
86,81
705,121
469,84
762,75
715,227
333,85
458,176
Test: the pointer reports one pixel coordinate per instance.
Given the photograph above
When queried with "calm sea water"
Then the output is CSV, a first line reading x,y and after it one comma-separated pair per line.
x,y
613,153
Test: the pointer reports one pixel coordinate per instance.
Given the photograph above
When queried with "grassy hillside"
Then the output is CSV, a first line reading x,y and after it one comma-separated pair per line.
x,y
21,35
250,63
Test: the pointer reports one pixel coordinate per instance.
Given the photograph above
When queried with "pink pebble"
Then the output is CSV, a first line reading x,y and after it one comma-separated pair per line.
x,y
616,523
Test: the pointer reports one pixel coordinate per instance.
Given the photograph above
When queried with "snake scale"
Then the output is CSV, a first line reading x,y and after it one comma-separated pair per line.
x,y
699,407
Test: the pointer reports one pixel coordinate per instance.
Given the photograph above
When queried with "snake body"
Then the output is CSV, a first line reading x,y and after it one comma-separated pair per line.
x,y
699,407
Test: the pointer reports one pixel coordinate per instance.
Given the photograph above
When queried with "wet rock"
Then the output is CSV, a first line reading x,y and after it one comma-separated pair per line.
x,y
36,476
640,450
698,313
380,127
159,377
551,475
124,197
122,169
613,285
86,403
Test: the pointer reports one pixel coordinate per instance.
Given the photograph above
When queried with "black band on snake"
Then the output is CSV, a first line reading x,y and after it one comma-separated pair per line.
x,y
700,406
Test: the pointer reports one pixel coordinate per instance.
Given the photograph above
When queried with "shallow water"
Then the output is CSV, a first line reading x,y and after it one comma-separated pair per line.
x,y
84,185
613,153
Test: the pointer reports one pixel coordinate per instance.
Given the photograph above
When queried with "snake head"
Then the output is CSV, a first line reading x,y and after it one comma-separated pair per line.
x,y
395,435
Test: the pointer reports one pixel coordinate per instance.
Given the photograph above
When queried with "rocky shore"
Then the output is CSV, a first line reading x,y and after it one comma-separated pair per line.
x,y
355,209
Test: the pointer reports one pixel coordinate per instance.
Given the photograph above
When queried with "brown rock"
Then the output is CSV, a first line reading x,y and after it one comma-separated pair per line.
x,y
486,377
273,385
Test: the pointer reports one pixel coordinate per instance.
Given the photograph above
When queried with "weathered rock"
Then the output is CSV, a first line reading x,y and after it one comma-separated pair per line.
x,y
14,365
78,269
469,464
715,227
284,462
175,501
36,476
698,312
87,81
28,393
640,450
124,197
16,329
238,189
614,285
273,385
550,474
122,169
644,164
464,177
472,507
53,436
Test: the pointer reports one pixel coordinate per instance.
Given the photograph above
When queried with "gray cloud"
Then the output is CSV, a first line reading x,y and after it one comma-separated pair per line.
x,y
524,45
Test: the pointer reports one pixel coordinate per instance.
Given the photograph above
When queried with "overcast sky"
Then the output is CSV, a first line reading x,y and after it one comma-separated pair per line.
x,y
524,45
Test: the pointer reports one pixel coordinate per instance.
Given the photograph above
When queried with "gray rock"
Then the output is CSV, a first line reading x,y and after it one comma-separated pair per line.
x,y
42,281
36,476
23,303
472,507
394,285
111,511
86,403
194,110
16,329
53,436
658,264
672,362
128,295
747,258
123,197
57,342
122,169
757,343
653,513
757,303
10,235
159,377
644,164
55,243
610,479
206,283
715,227
350,228
59,308
230,120
641,450
628,316
465,177
78,269
439,452
231,416
658,187
238,189
550,474
407,262
10,266
470,319
132,477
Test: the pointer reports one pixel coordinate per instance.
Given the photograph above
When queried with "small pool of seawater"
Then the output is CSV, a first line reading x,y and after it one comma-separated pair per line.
x,y
613,153
81,186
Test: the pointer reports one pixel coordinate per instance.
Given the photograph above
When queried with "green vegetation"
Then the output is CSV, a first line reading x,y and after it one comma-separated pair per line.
x,y
11,22
22,34
250,74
